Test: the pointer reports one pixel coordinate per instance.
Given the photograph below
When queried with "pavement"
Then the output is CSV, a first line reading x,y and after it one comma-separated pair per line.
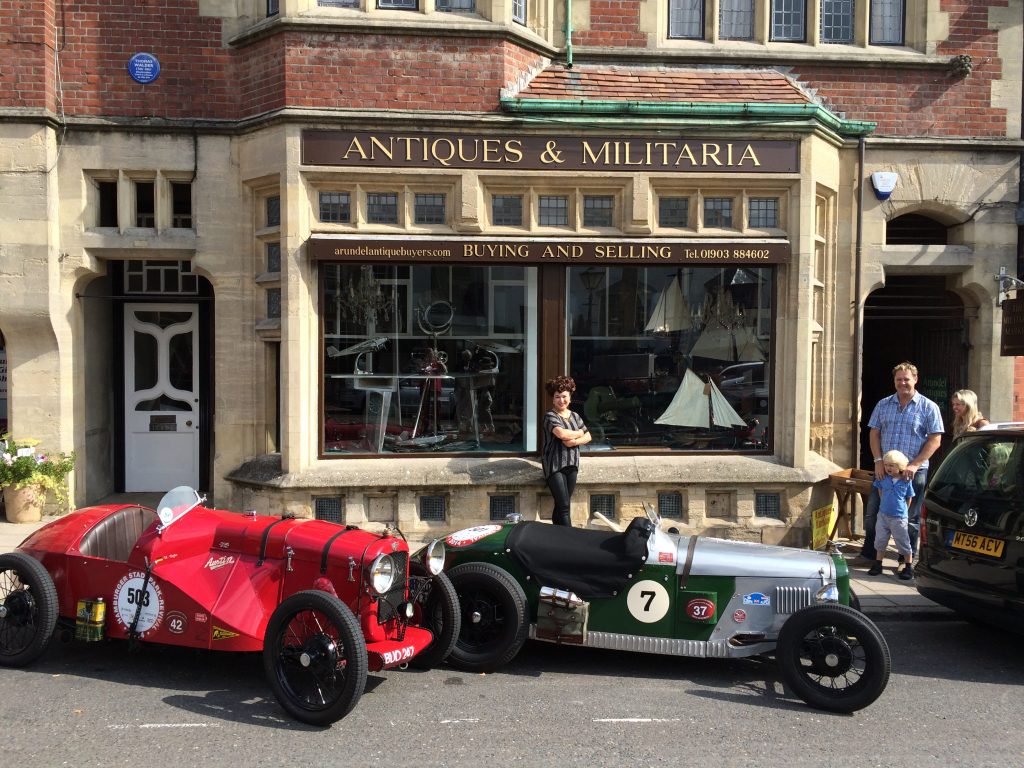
x,y
882,598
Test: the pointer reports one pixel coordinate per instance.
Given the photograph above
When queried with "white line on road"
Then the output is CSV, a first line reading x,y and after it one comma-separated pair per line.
x,y
164,725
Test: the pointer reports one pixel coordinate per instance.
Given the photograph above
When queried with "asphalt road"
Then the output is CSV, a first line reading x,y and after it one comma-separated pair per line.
x,y
954,698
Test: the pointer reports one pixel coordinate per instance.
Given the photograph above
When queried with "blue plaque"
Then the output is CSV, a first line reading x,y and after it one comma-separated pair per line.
x,y
144,68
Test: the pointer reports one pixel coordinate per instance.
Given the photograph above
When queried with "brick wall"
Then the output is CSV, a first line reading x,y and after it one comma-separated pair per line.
x,y
613,24
202,78
26,54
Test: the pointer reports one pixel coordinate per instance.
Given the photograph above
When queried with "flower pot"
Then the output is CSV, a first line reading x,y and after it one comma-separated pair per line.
x,y
24,505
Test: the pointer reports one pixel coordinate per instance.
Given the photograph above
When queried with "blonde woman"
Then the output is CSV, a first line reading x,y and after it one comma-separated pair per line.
x,y
966,416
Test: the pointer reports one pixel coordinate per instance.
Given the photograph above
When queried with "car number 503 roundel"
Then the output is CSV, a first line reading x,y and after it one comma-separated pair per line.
x,y
130,599
647,601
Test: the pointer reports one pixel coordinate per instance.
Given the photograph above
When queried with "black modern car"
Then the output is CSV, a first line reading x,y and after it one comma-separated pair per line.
x,y
972,529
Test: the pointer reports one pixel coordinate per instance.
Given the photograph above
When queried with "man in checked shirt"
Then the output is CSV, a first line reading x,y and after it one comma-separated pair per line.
x,y
911,423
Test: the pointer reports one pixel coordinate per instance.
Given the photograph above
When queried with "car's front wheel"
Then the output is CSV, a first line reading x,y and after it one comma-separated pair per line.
x,y
28,609
833,657
314,655
436,607
494,617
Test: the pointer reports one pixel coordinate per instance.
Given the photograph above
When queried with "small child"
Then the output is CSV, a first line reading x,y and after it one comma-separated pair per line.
x,y
896,494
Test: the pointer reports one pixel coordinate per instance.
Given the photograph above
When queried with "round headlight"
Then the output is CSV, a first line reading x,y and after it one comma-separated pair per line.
x,y
828,594
382,574
433,556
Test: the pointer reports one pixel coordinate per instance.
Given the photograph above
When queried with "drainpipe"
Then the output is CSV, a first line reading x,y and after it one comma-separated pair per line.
x,y
568,34
858,305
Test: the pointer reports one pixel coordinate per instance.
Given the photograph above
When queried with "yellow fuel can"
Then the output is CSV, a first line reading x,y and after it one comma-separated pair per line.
x,y
90,620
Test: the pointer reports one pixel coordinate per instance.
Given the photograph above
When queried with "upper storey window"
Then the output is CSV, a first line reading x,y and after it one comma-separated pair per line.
x,y
837,21
788,22
817,22
887,22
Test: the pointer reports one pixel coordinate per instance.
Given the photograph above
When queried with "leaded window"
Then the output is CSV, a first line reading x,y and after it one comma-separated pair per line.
x,y
686,19
507,210
763,212
837,21
887,22
382,207
598,210
718,212
788,20
553,210
335,207
736,19
674,212
429,209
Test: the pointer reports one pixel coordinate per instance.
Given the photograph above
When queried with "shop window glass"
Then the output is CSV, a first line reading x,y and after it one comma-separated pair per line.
x,y
671,357
403,5
736,19
507,210
334,207
674,212
837,21
763,212
553,211
788,20
422,358
339,3
686,19
465,6
887,22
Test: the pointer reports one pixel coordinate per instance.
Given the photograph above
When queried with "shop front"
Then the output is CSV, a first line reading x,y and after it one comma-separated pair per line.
x,y
448,276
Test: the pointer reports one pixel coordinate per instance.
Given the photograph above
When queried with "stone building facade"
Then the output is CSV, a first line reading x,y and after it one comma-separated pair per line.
x,y
319,257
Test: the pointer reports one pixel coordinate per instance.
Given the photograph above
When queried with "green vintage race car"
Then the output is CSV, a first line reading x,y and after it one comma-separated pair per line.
x,y
652,591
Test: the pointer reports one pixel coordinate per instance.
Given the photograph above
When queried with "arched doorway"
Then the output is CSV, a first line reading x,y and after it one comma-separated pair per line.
x,y
915,319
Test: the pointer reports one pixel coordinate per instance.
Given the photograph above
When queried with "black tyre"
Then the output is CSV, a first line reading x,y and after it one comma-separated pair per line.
x,y
833,657
28,609
494,618
436,609
314,655
855,601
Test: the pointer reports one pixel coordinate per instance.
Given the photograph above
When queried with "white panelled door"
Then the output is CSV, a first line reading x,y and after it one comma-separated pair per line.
x,y
161,378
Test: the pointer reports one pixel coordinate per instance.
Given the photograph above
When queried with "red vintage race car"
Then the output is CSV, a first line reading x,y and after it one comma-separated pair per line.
x,y
323,603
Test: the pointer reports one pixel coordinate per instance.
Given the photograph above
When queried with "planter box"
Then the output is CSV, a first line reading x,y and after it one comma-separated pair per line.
x,y
858,480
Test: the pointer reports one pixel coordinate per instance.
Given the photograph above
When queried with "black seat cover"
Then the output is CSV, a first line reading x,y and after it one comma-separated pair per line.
x,y
589,563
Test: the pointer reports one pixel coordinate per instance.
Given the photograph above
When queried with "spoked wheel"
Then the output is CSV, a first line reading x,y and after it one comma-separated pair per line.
x,y
436,608
833,657
314,656
494,620
28,609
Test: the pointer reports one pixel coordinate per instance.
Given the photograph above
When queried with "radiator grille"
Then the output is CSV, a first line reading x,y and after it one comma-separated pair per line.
x,y
791,599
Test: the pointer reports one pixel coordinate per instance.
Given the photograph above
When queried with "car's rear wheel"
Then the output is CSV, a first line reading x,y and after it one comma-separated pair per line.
x,y
833,657
494,617
314,655
28,609
436,609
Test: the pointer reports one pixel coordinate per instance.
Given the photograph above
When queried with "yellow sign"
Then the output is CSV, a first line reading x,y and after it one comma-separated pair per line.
x,y
822,520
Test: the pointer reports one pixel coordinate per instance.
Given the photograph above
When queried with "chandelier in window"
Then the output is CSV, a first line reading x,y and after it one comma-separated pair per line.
x,y
363,301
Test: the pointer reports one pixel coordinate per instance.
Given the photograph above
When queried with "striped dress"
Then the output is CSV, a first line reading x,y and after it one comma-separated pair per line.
x,y
556,455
